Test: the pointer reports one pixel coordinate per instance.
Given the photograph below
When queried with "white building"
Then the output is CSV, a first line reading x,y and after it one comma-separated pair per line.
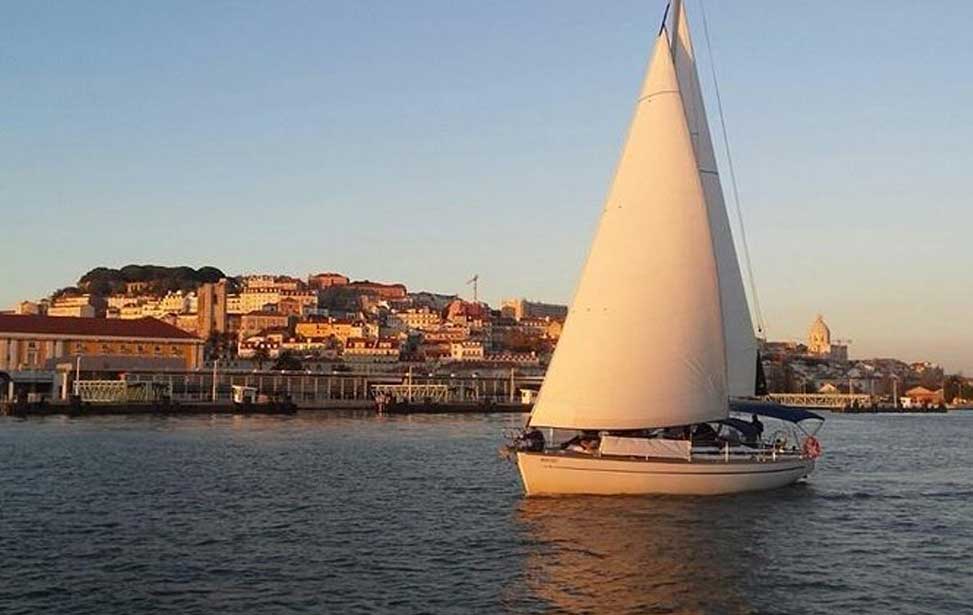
x,y
522,308
257,300
78,307
415,319
469,350
271,282
27,308
371,351
177,303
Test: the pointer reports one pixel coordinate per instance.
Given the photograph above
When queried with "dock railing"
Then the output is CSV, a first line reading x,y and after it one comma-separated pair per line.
x,y
821,400
331,390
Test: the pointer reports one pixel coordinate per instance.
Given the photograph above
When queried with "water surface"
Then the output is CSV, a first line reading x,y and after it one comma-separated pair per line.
x,y
325,513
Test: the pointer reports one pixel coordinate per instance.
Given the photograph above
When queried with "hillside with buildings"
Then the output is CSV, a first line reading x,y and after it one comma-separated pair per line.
x,y
322,322
180,317
821,365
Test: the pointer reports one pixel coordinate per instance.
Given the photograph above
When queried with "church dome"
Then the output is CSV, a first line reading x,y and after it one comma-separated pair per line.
x,y
819,327
819,336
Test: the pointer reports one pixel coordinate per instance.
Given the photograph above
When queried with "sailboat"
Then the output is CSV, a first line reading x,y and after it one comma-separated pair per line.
x,y
659,336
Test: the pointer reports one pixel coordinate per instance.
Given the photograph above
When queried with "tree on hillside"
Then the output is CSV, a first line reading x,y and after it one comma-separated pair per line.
x,y
67,291
219,345
209,275
286,361
261,356
953,388
160,279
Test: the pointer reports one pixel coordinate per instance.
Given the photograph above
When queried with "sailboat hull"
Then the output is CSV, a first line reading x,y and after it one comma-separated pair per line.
x,y
563,474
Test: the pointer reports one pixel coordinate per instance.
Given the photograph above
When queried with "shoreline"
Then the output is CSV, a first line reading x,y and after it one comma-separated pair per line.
x,y
42,409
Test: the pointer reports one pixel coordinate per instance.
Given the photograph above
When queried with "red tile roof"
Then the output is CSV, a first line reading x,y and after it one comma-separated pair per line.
x,y
101,327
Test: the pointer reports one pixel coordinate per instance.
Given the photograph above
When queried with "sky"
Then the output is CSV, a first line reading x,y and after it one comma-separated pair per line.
x,y
427,141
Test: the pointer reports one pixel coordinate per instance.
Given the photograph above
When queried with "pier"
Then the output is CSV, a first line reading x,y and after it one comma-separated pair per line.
x,y
850,404
358,390
194,392
825,401
335,390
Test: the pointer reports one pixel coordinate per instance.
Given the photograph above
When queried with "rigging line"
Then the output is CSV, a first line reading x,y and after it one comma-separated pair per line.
x,y
733,180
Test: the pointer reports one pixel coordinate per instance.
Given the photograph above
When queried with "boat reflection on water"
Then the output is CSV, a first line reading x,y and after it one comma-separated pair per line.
x,y
637,555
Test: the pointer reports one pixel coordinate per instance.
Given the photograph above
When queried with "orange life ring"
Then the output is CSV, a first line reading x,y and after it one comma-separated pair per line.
x,y
811,448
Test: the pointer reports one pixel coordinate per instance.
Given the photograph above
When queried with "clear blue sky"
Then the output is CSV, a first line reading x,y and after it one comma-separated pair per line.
x,y
426,141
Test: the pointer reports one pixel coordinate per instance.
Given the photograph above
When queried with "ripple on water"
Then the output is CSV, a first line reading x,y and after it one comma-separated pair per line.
x,y
356,514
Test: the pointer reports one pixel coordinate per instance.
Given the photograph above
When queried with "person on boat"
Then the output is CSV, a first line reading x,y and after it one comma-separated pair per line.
x,y
533,440
758,428
590,444
730,437
584,443
704,435
682,432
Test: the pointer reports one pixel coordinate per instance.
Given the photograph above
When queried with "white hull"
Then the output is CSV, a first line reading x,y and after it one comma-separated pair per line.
x,y
558,474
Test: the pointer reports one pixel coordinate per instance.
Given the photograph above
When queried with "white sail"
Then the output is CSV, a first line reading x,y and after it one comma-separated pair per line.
x,y
741,344
643,343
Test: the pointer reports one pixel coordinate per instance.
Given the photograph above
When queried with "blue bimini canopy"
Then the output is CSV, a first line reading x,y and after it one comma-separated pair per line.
x,y
748,429
773,410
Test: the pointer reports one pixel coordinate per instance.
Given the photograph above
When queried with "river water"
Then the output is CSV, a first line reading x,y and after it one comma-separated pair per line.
x,y
321,513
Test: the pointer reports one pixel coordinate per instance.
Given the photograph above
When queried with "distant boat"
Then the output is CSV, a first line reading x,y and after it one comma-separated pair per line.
x,y
659,336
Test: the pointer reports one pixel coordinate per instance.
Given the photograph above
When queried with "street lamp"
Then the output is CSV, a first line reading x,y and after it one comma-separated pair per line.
x,y
216,361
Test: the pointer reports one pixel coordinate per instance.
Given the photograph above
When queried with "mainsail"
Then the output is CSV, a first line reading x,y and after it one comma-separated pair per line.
x,y
643,344
741,344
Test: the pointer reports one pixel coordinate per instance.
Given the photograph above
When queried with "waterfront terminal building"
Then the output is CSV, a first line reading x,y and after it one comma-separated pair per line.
x,y
34,348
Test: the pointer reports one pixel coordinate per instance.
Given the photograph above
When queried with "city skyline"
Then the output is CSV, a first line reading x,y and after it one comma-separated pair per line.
x,y
462,140
806,339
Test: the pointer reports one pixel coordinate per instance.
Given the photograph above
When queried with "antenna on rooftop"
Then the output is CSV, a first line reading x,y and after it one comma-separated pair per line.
x,y
474,281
